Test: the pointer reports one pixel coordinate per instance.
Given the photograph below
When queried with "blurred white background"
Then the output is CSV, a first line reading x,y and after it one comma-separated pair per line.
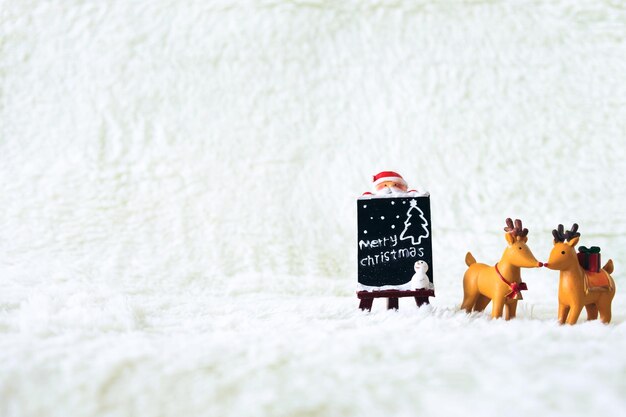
x,y
177,202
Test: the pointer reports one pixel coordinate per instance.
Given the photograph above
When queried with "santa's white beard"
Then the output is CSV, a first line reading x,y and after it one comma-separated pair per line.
x,y
389,190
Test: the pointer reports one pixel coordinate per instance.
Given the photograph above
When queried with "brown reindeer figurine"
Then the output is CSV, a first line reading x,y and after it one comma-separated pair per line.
x,y
501,283
579,288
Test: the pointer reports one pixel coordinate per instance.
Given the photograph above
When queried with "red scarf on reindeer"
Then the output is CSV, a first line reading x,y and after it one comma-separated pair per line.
x,y
516,288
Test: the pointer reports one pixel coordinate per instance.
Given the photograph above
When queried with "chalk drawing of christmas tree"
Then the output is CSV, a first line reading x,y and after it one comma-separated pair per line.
x,y
415,230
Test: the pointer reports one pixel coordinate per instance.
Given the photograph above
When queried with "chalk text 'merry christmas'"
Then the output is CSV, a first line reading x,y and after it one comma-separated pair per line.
x,y
388,255
391,255
376,243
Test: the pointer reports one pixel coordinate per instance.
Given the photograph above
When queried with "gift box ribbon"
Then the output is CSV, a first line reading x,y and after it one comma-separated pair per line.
x,y
593,249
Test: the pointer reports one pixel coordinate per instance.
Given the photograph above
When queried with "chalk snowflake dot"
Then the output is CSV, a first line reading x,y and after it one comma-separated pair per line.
x,y
404,202
382,217
393,202
364,205
371,218
393,226
398,216
364,232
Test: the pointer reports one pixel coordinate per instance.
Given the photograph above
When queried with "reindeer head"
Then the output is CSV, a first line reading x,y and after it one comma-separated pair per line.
x,y
563,254
518,253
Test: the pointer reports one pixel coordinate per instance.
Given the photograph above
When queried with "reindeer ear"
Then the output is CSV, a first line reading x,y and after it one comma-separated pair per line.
x,y
574,241
509,238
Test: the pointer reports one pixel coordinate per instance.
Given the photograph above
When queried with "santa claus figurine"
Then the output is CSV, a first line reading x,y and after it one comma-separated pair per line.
x,y
390,183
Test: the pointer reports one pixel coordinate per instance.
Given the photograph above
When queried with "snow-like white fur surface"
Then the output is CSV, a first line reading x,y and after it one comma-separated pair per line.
x,y
177,203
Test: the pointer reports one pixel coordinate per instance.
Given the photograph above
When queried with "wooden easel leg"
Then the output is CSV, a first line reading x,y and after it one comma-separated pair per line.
x,y
366,304
392,303
421,300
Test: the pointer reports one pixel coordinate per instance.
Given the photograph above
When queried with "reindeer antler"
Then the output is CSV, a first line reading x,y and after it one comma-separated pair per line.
x,y
515,229
560,235
572,233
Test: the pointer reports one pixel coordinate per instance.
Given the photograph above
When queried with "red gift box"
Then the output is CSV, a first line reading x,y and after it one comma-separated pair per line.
x,y
589,258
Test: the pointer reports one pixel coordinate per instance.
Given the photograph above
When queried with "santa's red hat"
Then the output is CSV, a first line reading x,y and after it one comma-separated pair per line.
x,y
388,176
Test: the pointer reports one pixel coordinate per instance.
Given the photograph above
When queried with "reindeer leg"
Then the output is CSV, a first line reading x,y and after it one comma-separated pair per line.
x,y
592,311
496,308
470,291
606,317
511,309
605,311
563,311
481,302
468,302
574,313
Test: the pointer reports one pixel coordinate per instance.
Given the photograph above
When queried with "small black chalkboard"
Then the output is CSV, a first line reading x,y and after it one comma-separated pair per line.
x,y
393,234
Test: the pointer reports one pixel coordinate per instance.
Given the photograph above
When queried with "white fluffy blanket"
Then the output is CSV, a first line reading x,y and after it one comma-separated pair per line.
x,y
177,203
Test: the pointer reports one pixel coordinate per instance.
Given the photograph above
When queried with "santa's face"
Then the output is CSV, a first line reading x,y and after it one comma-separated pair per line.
x,y
390,187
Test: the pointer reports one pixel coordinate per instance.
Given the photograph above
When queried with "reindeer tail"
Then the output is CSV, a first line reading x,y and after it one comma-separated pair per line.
x,y
470,260
609,266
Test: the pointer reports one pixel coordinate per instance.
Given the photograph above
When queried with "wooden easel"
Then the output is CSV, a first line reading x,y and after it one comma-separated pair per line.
x,y
367,297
